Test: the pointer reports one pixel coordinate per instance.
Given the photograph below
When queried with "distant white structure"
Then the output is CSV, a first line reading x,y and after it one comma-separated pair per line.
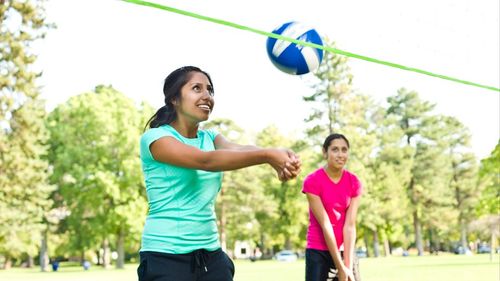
x,y
243,250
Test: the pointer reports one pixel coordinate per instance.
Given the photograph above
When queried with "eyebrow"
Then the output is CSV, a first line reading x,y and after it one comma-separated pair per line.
x,y
199,83
333,146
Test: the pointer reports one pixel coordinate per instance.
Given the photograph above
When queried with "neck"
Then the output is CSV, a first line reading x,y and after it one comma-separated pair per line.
x,y
185,129
333,173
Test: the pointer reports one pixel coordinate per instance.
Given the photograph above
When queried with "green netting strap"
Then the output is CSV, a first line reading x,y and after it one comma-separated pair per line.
x,y
303,43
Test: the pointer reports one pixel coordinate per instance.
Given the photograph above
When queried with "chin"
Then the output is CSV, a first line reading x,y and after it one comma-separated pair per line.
x,y
338,167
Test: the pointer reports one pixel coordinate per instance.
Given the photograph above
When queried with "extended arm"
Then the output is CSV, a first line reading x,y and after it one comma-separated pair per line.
x,y
222,143
350,232
290,170
226,157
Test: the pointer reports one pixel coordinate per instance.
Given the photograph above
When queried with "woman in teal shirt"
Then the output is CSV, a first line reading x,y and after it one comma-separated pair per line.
x,y
182,167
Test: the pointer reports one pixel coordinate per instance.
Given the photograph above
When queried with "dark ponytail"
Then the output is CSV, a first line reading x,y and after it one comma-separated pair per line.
x,y
172,92
164,115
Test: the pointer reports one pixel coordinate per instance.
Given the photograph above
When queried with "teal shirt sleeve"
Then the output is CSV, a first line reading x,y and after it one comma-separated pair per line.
x,y
212,133
148,138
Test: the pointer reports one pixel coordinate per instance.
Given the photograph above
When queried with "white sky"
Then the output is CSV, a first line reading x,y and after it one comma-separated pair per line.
x,y
133,48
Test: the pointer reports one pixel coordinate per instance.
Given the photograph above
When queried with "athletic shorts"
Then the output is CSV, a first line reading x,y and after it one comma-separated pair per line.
x,y
320,266
200,265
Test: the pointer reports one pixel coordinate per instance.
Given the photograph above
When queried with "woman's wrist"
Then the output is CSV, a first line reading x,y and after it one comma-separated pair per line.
x,y
267,155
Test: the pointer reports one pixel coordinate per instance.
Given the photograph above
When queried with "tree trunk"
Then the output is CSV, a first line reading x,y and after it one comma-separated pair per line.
x,y
418,233
463,234
376,252
99,258
265,251
8,262
44,256
367,244
106,254
387,247
438,244
120,248
288,243
416,219
433,242
30,262
331,115
492,244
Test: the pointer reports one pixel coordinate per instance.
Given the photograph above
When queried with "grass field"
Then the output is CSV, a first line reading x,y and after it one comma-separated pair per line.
x,y
427,268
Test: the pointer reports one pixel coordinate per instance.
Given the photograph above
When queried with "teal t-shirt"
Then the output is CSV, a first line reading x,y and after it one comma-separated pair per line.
x,y
181,215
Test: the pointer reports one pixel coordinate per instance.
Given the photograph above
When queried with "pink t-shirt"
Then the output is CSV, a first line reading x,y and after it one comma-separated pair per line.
x,y
336,198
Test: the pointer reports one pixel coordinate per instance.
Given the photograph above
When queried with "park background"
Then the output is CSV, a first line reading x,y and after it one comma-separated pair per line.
x,y
74,102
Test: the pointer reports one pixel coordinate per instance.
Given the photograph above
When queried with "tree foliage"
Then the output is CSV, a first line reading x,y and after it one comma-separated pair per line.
x,y
23,167
490,178
94,152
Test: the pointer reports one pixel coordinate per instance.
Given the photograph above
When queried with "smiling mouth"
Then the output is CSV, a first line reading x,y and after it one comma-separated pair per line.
x,y
204,107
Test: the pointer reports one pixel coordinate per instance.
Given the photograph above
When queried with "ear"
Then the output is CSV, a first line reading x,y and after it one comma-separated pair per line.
x,y
174,102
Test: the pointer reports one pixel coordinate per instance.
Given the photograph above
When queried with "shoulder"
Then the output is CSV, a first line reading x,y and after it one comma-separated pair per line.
x,y
355,183
351,175
313,178
155,133
312,183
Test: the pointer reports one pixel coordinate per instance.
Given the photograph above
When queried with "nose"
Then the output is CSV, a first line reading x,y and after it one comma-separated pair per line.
x,y
207,94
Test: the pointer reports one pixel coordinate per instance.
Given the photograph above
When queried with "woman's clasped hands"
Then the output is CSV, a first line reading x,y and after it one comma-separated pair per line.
x,y
285,162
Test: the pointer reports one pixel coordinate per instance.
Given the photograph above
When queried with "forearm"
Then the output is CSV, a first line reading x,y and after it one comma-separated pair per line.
x,y
331,242
246,148
349,243
226,160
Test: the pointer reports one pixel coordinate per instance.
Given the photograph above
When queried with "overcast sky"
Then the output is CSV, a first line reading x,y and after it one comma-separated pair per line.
x,y
133,48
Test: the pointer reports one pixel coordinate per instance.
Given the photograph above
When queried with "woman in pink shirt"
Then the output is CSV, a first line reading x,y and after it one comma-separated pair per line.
x,y
333,194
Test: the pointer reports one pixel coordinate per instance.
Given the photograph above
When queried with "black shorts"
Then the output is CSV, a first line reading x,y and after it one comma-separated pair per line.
x,y
200,265
320,266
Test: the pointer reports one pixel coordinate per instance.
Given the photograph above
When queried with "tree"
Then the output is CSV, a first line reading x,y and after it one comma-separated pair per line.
x,y
428,180
489,174
291,206
384,204
332,86
463,182
241,197
487,209
23,168
95,155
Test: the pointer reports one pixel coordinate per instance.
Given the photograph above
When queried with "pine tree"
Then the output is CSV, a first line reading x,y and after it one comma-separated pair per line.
x,y
24,188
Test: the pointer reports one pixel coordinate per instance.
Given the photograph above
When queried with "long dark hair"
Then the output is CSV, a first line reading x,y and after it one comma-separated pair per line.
x,y
172,92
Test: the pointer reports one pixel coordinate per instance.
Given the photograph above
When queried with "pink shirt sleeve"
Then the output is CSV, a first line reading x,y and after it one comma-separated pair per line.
x,y
356,186
310,186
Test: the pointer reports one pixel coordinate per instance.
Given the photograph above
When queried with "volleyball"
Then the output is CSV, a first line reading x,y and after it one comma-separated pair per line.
x,y
290,57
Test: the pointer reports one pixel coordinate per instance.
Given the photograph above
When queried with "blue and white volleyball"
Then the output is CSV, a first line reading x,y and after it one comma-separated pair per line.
x,y
290,57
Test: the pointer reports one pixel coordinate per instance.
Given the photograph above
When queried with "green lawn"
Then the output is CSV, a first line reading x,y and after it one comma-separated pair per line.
x,y
428,268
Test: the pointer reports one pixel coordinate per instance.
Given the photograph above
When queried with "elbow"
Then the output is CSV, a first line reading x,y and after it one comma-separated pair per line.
x,y
208,166
209,162
350,228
